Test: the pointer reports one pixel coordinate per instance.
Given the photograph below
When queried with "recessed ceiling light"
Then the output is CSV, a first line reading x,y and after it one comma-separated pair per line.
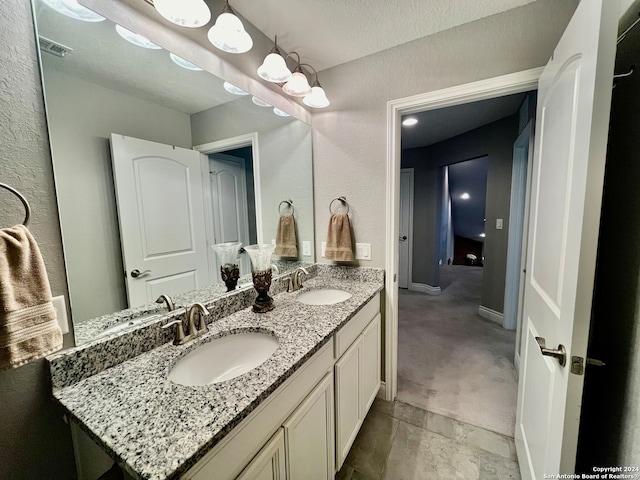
x,y
279,112
136,39
465,196
71,8
184,63
260,103
482,235
409,122
229,87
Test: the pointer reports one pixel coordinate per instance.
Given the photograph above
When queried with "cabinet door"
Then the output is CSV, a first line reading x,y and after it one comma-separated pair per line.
x,y
269,464
370,364
309,435
348,400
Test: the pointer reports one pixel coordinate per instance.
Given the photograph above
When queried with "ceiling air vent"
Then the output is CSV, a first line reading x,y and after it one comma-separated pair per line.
x,y
53,48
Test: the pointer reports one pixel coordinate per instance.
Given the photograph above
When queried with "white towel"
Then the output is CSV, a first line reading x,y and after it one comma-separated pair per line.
x,y
28,326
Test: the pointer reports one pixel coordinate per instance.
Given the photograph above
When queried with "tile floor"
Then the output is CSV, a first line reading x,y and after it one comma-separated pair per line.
x,y
401,442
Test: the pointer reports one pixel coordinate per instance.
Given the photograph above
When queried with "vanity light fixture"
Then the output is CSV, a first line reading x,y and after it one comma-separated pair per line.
x,y
409,122
280,113
71,8
135,38
228,33
233,89
260,103
186,13
181,62
298,85
317,98
274,67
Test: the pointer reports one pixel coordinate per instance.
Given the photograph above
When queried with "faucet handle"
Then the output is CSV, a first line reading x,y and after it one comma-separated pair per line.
x,y
179,331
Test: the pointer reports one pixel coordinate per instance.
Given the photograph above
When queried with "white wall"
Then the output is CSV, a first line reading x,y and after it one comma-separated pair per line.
x,y
284,148
82,116
349,137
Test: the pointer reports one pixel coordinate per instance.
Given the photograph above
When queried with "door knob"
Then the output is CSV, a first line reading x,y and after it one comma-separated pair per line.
x,y
560,353
137,273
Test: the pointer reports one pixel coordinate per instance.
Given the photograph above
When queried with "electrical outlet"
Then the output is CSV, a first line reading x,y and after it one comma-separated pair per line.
x,y
323,247
306,248
498,224
363,251
61,313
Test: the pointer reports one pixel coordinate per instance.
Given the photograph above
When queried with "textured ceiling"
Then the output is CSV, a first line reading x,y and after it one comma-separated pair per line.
x,y
330,32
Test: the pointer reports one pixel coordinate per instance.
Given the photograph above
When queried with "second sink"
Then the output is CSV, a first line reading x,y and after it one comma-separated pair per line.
x,y
324,296
223,358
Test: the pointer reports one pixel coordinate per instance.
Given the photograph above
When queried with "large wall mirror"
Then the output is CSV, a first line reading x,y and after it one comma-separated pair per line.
x,y
108,98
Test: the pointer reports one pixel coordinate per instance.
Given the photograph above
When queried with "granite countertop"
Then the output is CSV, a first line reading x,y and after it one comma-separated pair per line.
x,y
157,429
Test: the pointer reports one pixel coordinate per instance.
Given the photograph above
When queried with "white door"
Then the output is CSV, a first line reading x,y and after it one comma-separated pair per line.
x,y
229,203
570,149
161,216
406,220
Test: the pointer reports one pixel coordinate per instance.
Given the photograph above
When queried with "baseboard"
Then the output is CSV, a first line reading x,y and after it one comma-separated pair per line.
x,y
492,315
423,288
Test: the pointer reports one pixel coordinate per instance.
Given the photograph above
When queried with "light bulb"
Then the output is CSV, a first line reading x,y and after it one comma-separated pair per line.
x,y
229,35
186,13
298,86
71,8
274,69
317,98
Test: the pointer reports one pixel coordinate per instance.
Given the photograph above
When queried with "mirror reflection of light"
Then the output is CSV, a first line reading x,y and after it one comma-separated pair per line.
x,y
482,235
409,122
465,196
260,103
136,39
71,8
229,87
181,62
282,113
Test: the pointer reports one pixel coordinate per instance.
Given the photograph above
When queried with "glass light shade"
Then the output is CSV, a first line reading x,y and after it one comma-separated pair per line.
x,y
298,86
181,62
186,13
274,69
260,103
233,89
229,35
71,8
317,98
280,113
137,40
227,252
260,255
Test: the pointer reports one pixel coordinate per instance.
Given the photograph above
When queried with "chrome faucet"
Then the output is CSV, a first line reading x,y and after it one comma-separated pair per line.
x,y
166,299
295,282
192,330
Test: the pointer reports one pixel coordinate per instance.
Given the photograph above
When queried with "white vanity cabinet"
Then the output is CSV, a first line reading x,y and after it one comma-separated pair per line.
x,y
269,464
357,375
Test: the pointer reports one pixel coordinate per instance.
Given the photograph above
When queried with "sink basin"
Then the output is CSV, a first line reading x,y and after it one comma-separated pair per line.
x,y
324,296
223,359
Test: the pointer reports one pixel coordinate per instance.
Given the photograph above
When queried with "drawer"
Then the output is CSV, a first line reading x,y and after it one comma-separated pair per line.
x,y
354,327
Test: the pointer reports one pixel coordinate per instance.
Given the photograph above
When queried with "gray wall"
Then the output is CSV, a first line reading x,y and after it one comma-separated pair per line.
x,y
82,117
34,440
610,424
494,140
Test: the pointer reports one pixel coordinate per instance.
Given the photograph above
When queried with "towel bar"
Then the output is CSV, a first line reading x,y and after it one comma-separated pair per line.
x,y
27,208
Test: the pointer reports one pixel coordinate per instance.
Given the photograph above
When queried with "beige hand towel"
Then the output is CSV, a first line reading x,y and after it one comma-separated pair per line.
x,y
28,326
286,241
339,246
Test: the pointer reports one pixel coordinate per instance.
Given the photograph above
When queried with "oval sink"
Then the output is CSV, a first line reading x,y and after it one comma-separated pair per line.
x,y
324,296
223,359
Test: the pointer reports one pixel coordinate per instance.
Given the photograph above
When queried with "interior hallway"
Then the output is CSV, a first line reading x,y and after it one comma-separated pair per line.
x,y
453,362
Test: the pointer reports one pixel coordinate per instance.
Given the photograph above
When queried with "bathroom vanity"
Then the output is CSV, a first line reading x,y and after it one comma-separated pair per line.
x,y
295,416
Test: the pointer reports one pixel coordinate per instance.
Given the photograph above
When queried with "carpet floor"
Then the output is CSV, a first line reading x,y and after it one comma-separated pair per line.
x,y
453,362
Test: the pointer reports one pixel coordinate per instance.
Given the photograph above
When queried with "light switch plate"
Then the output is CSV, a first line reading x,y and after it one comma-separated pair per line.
x,y
61,313
306,248
498,224
273,241
363,251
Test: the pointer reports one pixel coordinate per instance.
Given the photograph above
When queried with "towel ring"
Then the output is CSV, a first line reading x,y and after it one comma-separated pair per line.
x,y
27,208
340,199
286,202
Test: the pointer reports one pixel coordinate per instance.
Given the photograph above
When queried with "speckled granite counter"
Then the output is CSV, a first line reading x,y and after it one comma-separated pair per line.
x,y
157,429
